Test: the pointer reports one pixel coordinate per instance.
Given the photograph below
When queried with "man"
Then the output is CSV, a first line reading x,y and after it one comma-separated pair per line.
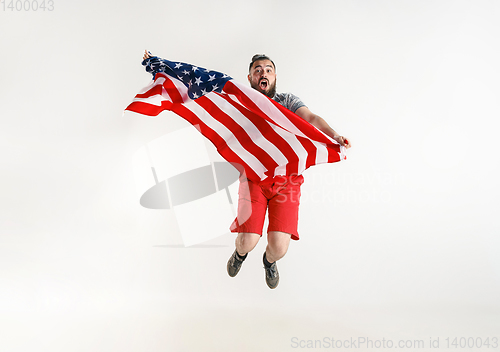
x,y
279,195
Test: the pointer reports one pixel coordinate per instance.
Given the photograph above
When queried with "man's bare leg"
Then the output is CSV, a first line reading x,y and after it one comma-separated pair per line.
x,y
277,245
245,242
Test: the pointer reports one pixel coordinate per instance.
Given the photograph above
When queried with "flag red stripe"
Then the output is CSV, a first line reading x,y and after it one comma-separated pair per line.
x,y
155,90
239,133
217,140
311,151
172,91
305,127
149,109
333,153
270,134
295,119
158,87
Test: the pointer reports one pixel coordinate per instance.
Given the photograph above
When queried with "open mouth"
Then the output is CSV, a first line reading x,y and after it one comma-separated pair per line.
x,y
263,84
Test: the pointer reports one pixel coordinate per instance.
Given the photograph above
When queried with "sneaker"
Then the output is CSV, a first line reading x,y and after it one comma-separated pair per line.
x,y
233,265
272,275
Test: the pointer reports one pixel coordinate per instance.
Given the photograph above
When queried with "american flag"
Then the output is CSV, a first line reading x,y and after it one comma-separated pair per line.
x,y
247,128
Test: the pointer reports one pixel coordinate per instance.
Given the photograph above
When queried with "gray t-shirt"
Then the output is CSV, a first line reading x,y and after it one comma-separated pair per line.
x,y
289,101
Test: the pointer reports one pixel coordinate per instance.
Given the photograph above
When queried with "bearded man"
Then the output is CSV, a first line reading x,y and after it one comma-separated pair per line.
x,y
280,195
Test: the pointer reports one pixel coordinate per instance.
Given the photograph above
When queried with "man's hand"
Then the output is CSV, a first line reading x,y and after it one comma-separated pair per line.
x,y
322,125
343,141
146,55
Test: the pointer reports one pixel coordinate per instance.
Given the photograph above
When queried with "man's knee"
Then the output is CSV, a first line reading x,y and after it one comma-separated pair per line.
x,y
278,243
278,251
246,241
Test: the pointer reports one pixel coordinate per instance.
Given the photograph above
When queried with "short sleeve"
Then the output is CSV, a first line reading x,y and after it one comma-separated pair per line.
x,y
289,101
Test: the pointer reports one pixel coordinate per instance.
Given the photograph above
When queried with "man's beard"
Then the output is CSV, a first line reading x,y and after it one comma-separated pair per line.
x,y
270,93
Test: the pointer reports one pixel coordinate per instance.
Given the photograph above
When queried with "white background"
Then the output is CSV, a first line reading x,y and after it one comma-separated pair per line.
x,y
398,242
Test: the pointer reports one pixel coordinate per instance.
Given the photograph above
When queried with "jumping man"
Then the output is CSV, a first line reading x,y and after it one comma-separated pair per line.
x,y
279,195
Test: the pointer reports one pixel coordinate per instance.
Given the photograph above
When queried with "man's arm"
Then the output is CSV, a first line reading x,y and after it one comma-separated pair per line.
x,y
322,125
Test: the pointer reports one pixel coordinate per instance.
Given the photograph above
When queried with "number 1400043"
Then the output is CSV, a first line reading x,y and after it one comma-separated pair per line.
x,y
28,5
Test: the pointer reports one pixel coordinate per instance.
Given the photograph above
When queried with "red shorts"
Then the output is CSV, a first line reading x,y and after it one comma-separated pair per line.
x,y
281,194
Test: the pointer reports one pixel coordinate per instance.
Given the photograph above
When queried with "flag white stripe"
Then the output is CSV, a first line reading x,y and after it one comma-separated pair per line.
x,y
264,104
229,138
153,100
281,120
182,89
297,148
272,111
151,85
321,149
252,131
269,109
321,152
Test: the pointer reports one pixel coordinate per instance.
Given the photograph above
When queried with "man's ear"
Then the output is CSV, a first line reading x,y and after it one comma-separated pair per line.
x,y
248,77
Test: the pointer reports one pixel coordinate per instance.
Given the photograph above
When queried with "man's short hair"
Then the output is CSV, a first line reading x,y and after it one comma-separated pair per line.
x,y
258,57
